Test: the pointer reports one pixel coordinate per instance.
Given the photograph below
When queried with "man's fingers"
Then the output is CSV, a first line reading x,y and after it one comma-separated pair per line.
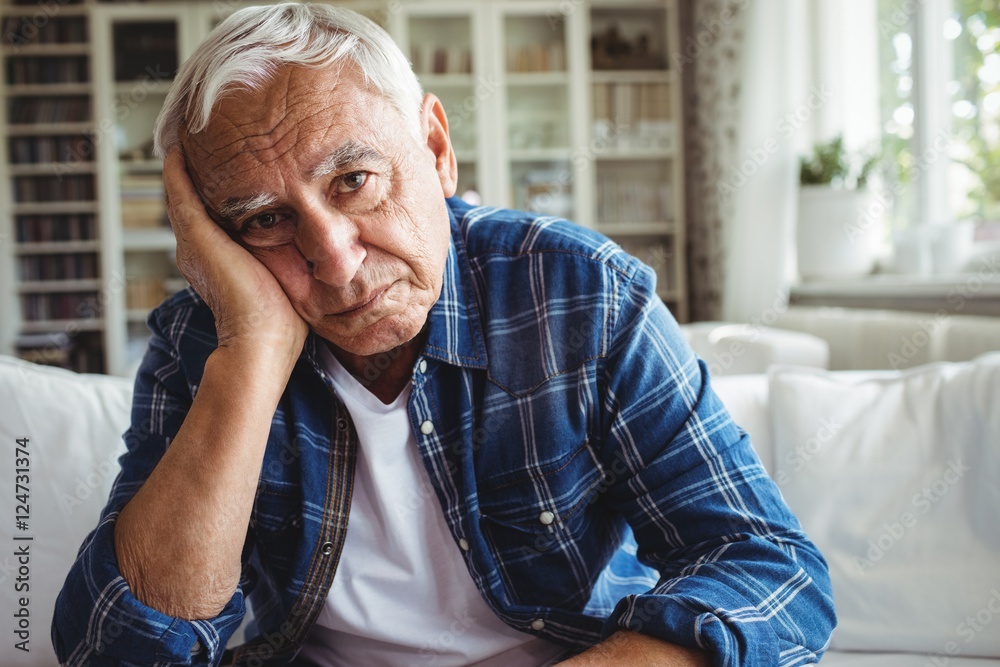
x,y
185,209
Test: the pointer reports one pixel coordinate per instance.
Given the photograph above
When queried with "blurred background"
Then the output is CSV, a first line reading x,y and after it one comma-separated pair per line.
x,y
825,166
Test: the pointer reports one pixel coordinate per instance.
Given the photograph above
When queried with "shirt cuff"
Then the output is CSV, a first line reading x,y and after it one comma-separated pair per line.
x,y
99,621
738,636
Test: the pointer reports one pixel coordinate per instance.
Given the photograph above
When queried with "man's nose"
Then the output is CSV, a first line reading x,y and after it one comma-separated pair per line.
x,y
328,240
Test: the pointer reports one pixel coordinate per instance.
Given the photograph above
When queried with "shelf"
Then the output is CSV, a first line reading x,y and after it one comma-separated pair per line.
x,y
63,9
560,78
51,286
56,247
55,49
632,76
148,86
173,285
84,127
432,81
538,154
148,239
898,286
137,315
43,208
51,168
665,228
36,89
45,326
635,154
153,166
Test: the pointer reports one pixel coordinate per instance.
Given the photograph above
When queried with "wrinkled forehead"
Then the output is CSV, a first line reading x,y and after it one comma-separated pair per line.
x,y
299,112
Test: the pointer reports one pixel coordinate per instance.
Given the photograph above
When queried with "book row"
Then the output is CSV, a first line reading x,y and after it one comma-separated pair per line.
x,y
633,116
627,199
53,188
145,293
658,256
24,3
34,150
59,69
537,58
434,59
69,266
140,47
25,30
55,228
626,103
60,306
30,110
81,352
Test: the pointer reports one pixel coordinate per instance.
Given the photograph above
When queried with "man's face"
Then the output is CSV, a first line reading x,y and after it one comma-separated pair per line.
x,y
328,186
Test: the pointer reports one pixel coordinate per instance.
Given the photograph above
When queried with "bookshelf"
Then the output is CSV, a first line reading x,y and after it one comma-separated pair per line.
x,y
570,109
51,240
637,180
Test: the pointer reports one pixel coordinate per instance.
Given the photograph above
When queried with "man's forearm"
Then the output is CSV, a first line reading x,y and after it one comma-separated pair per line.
x,y
637,650
180,538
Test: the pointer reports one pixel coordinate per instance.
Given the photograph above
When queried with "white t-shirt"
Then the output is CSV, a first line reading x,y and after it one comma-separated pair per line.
x,y
402,594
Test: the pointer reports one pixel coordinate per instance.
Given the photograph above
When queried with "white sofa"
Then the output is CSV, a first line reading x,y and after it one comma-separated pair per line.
x,y
841,446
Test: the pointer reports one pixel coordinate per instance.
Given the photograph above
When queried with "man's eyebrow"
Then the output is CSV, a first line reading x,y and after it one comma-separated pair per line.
x,y
352,152
234,208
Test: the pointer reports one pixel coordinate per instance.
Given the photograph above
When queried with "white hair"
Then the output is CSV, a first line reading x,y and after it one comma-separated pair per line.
x,y
246,49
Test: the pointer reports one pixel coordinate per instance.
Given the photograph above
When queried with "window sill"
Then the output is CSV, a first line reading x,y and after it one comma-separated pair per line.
x,y
974,293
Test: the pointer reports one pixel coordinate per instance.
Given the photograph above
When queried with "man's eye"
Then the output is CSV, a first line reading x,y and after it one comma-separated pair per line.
x,y
350,182
261,222
268,229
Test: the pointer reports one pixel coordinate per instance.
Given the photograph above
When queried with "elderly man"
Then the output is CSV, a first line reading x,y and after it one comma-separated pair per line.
x,y
412,431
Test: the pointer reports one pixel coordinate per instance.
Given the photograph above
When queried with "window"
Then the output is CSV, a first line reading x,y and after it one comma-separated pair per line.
x,y
940,109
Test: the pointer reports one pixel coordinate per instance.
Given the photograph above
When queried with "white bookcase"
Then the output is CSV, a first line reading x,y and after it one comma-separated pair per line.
x,y
559,126
563,108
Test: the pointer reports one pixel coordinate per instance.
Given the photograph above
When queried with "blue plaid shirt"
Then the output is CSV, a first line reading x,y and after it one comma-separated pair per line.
x,y
574,446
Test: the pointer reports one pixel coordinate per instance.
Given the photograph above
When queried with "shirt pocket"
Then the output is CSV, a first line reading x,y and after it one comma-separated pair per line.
x,y
276,521
544,529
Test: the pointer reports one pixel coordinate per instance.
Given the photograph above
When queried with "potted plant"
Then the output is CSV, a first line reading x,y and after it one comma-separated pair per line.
x,y
839,221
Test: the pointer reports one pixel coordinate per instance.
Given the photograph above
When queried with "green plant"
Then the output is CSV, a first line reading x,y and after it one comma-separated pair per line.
x,y
831,164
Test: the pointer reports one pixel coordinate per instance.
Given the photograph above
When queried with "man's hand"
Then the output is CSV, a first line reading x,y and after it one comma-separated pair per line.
x,y
179,540
246,299
637,650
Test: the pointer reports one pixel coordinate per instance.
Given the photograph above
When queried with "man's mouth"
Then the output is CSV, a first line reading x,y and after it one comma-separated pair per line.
x,y
366,303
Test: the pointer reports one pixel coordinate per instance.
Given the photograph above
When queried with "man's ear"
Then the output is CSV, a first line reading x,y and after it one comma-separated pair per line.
x,y
435,128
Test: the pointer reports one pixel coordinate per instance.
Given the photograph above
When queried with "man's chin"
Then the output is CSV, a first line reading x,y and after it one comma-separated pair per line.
x,y
381,337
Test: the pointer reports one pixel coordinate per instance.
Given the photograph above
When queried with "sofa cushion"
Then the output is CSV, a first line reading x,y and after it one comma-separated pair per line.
x,y
898,482
73,424
745,397
742,349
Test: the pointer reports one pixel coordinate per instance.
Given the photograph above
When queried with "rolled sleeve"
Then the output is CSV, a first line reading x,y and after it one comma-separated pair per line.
x,y
738,577
97,620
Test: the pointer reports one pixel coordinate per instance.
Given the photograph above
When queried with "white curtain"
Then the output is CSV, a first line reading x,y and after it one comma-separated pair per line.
x,y
809,72
760,228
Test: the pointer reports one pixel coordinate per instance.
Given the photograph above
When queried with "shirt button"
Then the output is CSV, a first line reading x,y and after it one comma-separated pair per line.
x,y
546,518
341,424
327,548
463,544
537,624
422,366
427,428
